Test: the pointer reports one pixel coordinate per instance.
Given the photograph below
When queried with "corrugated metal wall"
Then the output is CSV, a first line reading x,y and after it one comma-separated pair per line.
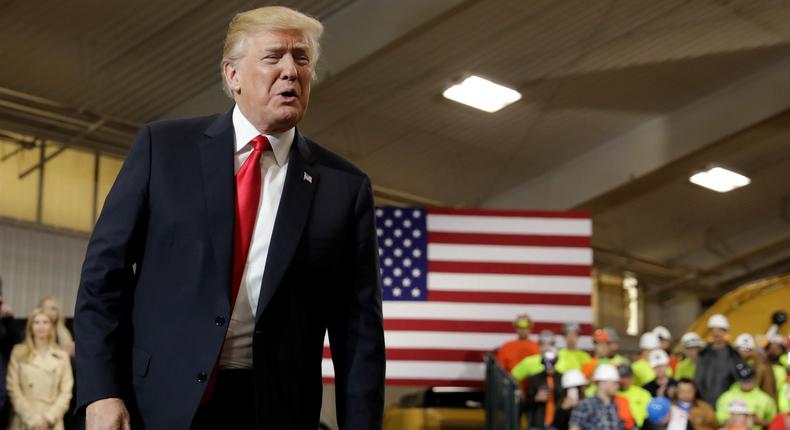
x,y
35,263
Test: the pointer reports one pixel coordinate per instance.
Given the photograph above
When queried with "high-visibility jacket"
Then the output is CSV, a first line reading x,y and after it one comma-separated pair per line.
x,y
685,369
571,359
638,399
760,404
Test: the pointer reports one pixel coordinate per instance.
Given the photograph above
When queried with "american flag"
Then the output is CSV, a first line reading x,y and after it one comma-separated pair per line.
x,y
454,279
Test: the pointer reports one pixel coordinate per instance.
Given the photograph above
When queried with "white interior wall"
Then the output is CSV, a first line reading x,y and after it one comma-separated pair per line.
x,y
35,263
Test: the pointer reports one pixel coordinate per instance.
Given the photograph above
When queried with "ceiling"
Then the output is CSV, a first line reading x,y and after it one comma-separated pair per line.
x,y
595,75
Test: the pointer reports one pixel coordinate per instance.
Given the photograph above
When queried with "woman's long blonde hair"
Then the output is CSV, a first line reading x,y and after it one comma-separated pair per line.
x,y
28,346
62,335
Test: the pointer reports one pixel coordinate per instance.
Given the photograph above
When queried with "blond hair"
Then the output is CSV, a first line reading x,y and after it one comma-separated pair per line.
x,y
62,335
24,351
263,19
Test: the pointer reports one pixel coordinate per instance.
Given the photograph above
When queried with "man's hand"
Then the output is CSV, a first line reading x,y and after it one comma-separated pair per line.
x,y
6,311
542,395
107,414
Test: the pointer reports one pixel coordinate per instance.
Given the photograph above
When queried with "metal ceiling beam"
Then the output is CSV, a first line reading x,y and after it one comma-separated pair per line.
x,y
30,114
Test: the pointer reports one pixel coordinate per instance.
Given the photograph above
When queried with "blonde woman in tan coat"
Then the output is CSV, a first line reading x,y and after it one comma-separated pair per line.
x,y
39,380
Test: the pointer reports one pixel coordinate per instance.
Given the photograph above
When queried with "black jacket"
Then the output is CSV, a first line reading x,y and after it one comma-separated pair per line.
x,y
537,410
716,373
155,289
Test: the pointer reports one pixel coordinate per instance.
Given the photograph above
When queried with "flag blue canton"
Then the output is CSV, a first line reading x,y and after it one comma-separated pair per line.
x,y
403,252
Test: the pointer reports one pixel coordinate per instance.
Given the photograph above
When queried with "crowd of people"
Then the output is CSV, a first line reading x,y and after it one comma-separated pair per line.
x,y
696,383
36,377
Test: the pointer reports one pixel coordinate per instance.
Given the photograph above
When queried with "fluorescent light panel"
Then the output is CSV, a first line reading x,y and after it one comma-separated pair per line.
x,y
482,94
720,179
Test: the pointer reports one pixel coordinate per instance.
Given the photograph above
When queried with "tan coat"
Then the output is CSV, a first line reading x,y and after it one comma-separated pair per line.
x,y
39,388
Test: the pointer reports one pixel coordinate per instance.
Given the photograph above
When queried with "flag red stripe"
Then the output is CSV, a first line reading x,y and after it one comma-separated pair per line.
x,y
514,298
471,326
427,354
427,382
510,213
509,268
509,239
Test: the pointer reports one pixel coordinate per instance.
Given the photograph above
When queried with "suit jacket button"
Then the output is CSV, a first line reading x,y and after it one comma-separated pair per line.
x,y
219,321
201,377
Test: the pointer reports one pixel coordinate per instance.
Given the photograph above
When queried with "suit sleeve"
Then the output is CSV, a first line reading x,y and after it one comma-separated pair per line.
x,y
356,332
103,310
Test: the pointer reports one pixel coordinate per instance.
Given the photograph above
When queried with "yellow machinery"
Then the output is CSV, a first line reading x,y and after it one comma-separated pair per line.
x,y
750,307
438,408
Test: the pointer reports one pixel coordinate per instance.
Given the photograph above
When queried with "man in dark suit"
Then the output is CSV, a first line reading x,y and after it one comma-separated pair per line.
x,y
226,249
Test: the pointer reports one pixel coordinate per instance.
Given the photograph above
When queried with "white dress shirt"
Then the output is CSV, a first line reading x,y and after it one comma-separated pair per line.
x,y
237,349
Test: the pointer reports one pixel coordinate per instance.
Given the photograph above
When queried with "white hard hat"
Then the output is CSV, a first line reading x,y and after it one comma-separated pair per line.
x,y
657,357
606,372
718,321
662,333
745,341
692,340
573,378
649,341
739,407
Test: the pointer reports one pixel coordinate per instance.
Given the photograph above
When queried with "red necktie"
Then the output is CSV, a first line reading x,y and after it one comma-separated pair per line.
x,y
248,196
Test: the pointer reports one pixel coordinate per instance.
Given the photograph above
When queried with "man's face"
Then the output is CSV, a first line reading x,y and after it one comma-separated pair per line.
x,y
686,392
692,353
747,385
625,382
602,349
571,339
523,333
774,351
271,83
718,335
665,343
745,353
608,388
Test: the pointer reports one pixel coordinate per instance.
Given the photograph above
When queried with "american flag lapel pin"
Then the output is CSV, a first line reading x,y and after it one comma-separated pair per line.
x,y
307,177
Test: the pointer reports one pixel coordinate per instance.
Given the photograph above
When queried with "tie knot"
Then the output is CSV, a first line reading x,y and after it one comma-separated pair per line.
x,y
260,143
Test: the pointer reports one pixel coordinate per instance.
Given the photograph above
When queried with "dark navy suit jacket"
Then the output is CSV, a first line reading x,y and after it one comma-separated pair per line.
x,y
154,296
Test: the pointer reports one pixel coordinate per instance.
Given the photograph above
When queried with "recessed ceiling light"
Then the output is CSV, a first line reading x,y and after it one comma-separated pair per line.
x,y
482,94
720,179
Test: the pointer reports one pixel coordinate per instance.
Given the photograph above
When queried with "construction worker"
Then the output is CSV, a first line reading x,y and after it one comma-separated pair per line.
x,y
760,404
573,383
602,353
614,346
544,393
599,412
715,370
637,397
662,385
740,417
774,351
692,344
665,339
533,364
747,348
571,357
512,352
643,372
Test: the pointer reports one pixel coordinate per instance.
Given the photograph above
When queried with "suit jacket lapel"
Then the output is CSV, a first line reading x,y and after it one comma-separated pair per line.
x,y
301,181
217,150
